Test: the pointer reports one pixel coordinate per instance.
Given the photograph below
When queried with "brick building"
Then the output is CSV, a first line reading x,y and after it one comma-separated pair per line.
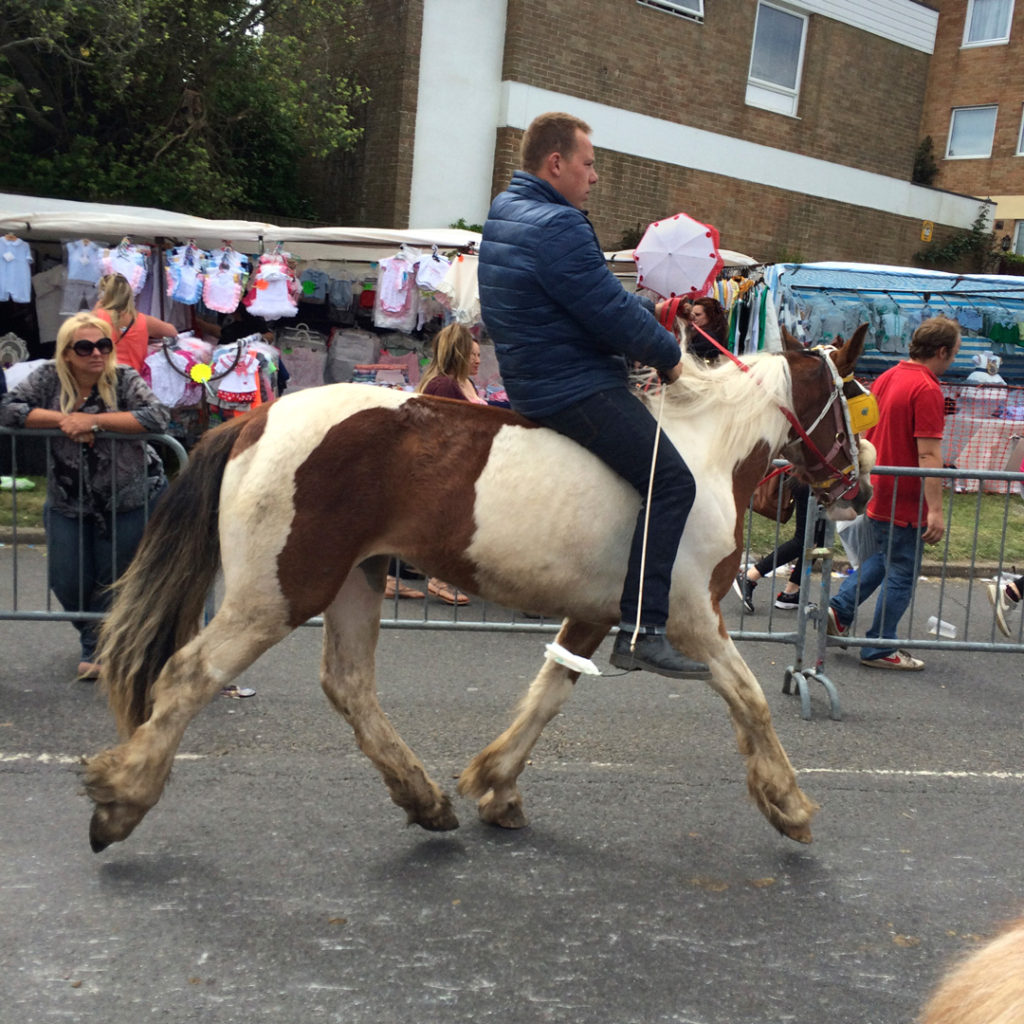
x,y
791,125
974,107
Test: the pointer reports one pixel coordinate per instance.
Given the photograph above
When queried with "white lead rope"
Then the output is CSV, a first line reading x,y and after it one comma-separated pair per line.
x,y
647,519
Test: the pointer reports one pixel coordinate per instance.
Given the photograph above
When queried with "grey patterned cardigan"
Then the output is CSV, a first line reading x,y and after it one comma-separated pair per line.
x,y
123,474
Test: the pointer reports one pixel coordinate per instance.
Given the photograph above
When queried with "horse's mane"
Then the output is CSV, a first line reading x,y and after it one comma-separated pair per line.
x,y
742,406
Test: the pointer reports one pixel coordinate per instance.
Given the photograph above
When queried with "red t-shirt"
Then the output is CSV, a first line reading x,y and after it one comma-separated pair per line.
x,y
132,344
909,406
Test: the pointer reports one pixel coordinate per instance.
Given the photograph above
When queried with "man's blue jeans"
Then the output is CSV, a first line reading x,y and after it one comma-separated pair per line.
x,y
620,431
103,559
894,567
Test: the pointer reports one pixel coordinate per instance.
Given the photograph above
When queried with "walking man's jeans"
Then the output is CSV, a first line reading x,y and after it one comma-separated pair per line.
x,y
894,566
103,559
619,430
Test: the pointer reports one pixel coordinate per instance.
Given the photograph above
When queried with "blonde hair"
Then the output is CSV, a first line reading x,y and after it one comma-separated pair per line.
x,y
116,297
107,384
453,349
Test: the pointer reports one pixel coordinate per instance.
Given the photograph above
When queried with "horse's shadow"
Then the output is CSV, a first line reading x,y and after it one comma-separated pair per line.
x,y
156,871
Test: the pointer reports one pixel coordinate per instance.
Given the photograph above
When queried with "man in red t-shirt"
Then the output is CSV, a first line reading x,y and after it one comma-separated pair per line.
x,y
909,433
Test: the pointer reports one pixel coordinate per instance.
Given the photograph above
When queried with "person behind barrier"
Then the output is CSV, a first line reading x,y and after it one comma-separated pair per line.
x,y
454,362
564,330
708,316
908,433
91,482
788,599
131,329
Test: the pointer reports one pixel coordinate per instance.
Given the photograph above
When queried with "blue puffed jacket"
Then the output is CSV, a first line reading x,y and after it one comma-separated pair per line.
x,y
563,326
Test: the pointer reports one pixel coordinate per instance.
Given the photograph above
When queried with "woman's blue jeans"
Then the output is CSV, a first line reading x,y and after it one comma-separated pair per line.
x,y
894,567
620,431
102,557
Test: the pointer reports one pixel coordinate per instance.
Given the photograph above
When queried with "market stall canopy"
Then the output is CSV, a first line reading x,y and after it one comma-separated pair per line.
x,y
42,219
818,301
907,286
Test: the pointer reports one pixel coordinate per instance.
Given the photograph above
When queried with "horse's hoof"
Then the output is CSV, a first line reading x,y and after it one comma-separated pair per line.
x,y
800,834
507,814
111,823
441,818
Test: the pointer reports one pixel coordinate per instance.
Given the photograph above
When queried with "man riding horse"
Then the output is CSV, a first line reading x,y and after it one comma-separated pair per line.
x,y
563,328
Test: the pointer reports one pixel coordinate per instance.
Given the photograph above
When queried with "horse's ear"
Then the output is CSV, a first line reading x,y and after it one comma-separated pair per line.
x,y
847,353
789,343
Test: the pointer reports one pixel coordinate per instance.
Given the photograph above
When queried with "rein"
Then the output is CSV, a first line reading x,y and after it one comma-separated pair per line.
x,y
849,475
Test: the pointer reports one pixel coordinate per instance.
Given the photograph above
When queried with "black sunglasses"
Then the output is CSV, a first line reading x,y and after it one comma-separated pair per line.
x,y
86,348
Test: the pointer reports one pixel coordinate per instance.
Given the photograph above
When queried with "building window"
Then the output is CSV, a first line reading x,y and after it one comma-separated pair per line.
x,y
970,132
1018,238
684,8
1020,139
988,22
776,59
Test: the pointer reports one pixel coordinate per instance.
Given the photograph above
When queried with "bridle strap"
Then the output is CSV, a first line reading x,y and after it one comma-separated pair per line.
x,y
825,460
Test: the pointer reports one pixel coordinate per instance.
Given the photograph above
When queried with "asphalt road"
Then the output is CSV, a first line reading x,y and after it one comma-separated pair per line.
x,y
275,881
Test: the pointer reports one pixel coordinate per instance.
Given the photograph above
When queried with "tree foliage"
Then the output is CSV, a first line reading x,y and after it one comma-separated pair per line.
x,y
204,106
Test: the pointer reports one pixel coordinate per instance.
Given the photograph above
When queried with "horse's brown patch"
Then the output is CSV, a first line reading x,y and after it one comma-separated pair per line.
x,y
396,480
747,475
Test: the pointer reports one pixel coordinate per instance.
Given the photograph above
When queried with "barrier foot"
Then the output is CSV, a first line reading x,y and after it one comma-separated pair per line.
x,y
792,677
799,679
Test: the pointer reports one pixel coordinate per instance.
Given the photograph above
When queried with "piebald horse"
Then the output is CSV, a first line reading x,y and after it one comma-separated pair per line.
x,y
303,502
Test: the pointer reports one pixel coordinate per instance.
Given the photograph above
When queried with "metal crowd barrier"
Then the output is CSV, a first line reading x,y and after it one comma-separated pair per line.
x,y
955,595
15,537
949,607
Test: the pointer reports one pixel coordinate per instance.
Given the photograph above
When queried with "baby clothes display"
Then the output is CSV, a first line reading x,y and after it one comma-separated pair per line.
x,y
459,290
167,374
185,279
129,260
224,274
314,283
84,271
273,291
15,269
396,305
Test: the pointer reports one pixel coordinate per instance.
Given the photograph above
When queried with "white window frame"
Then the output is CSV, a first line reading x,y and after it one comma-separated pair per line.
x,y
994,40
770,95
952,121
1020,136
1018,239
690,9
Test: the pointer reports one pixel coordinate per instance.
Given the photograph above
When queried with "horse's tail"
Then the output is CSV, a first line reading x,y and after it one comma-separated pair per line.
x,y
159,600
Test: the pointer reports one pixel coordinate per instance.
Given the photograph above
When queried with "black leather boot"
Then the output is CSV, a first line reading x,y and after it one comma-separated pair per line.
x,y
653,653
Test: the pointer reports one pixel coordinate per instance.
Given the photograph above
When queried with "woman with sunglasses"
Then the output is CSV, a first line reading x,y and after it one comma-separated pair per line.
x,y
92,480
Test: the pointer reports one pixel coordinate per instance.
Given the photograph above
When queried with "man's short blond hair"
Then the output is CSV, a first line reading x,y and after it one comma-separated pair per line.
x,y
547,134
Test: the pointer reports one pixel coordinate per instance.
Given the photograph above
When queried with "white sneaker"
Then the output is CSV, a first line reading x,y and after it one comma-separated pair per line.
x,y
1002,602
899,660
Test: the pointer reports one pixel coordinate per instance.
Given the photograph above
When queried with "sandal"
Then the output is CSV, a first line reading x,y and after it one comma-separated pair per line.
x,y
237,692
395,585
446,592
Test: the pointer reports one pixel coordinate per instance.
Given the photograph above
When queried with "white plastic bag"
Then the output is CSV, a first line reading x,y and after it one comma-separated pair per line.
x,y
858,537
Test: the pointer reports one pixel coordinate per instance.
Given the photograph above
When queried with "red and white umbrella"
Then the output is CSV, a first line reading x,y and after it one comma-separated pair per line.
x,y
678,256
